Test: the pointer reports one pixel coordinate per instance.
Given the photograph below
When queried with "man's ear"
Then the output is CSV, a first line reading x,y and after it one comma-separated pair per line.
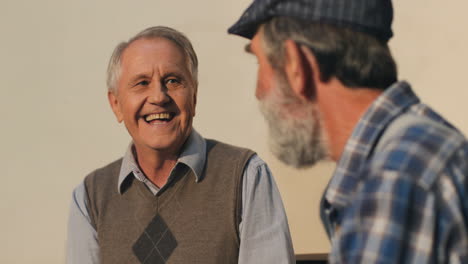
x,y
195,98
301,69
115,105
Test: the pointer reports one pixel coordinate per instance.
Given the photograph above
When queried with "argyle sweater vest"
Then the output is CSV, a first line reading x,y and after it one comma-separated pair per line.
x,y
186,222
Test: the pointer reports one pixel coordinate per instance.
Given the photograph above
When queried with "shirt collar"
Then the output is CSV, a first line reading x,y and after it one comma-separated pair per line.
x,y
392,102
193,156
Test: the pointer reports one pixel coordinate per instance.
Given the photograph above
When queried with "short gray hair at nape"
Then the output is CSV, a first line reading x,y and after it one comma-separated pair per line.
x,y
178,38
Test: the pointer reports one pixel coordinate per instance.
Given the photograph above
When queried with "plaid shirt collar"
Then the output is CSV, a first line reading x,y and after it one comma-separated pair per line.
x,y
392,102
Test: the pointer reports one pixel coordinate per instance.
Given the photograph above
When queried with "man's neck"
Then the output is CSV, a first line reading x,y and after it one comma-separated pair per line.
x,y
341,109
156,165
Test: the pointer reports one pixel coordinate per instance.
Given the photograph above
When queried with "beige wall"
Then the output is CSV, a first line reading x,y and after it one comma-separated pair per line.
x,y
57,126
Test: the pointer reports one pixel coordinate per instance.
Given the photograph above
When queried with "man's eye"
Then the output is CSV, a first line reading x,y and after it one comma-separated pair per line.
x,y
172,81
143,83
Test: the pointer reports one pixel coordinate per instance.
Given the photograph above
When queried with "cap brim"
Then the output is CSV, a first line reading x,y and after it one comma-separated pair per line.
x,y
247,25
246,31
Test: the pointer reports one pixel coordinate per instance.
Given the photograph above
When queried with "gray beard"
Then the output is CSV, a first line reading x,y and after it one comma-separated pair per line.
x,y
297,142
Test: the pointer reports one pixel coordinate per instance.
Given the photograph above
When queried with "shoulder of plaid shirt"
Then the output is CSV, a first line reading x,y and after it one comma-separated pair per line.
x,y
399,193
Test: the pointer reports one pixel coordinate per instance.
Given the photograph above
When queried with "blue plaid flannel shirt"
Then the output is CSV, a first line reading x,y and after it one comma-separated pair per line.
x,y
401,197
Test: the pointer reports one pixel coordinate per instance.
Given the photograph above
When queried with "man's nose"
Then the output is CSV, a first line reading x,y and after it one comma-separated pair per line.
x,y
158,94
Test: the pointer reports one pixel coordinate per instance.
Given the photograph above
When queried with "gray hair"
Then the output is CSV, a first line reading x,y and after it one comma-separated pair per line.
x,y
178,38
355,58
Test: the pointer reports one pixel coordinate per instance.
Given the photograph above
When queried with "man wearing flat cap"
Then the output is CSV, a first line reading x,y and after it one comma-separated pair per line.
x,y
175,197
327,85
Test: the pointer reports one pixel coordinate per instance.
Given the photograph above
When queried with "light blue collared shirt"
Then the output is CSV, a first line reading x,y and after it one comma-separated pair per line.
x,y
264,231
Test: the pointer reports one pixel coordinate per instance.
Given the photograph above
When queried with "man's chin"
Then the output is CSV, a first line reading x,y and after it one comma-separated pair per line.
x,y
295,163
295,142
161,147
297,155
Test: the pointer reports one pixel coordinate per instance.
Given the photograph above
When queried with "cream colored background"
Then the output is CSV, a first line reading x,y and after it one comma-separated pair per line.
x,y
56,125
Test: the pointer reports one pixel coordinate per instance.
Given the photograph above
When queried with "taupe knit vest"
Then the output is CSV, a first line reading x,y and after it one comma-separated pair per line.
x,y
186,222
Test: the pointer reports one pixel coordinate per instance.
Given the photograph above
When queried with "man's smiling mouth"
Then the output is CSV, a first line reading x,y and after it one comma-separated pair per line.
x,y
159,117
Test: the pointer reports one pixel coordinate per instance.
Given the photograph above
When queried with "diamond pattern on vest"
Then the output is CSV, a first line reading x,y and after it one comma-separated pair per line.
x,y
156,243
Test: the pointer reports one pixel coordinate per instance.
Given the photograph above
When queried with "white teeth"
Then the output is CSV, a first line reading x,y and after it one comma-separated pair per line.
x,y
159,116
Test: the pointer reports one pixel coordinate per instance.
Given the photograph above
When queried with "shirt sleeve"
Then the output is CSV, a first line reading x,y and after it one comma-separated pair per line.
x,y
264,230
82,243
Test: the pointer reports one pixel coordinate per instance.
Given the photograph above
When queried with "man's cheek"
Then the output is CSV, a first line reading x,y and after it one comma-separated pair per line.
x,y
261,88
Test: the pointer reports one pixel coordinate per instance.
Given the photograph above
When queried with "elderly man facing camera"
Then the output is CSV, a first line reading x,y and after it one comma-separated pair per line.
x,y
174,197
328,87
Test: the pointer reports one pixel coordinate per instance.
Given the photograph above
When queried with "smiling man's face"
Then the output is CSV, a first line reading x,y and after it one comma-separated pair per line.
x,y
156,95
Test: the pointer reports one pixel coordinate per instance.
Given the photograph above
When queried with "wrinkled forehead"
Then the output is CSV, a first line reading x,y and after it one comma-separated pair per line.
x,y
153,57
157,49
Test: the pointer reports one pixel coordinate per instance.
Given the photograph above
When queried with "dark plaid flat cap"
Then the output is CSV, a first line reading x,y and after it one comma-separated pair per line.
x,y
369,16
